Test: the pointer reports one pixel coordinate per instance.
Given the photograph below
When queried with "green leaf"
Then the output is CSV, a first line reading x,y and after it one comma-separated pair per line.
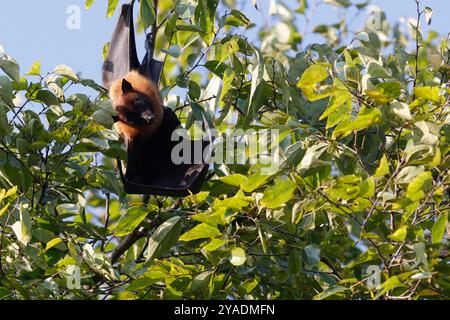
x,y
311,159
112,5
205,14
303,6
57,91
228,78
256,179
201,231
262,238
428,14
417,188
294,262
237,256
435,58
170,26
22,228
365,119
234,180
164,238
385,92
6,89
52,243
148,279
257,81
35,69
88,4
47,97
407,174
4,209
376,70
388,285
312,253
130,220
366,188
105,50
9,66
363,36
402,110
237,202
383,168
5,128
427,93
22,146
216,217
146,13
313,75
201,281
329,292
67,72
194,90
214,244
339,3
237,18
185,9
339,106
248,286
173,51
279,194
217,67
362,5
351,187
196,199
422,58
10,193
400,234
103,117
438,230
191,28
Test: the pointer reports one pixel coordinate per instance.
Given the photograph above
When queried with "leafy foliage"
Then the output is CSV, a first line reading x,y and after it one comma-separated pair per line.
x,y
363,184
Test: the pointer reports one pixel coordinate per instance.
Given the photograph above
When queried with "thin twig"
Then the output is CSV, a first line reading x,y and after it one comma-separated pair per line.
x,y
107,216
419,15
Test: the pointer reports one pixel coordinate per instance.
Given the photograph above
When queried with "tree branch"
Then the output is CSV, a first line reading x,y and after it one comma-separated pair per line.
x,y
131,239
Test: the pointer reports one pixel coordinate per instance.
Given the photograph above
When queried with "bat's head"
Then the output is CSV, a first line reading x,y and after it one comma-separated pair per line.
x,y
138,105
135,109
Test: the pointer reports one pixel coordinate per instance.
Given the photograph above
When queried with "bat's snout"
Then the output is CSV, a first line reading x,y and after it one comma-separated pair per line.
x,y
148,117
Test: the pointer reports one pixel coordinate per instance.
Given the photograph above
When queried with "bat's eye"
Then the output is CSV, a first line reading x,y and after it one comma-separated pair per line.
x,y
141,103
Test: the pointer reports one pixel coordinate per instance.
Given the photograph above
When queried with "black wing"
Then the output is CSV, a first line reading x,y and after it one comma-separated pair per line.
x,y
122,55
170,120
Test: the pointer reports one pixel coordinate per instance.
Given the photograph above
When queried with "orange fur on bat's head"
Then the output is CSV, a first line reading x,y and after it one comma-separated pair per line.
x,y
138,104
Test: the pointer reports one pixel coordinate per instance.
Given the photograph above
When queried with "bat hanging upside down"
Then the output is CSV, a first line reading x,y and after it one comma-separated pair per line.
x,y
144,123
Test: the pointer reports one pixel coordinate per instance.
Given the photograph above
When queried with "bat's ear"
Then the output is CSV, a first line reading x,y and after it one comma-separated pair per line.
x,y
126,86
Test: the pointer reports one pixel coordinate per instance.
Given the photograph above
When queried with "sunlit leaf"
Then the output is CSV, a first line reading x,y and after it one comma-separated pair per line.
x,y
130,220
237,256
112,5
399,235
35,69
88,3
201,231
365,119
438,230
428,14
164,238
67,72
277,195
52,243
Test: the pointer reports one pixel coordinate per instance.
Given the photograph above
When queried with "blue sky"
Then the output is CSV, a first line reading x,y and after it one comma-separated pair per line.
x,y
36,30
